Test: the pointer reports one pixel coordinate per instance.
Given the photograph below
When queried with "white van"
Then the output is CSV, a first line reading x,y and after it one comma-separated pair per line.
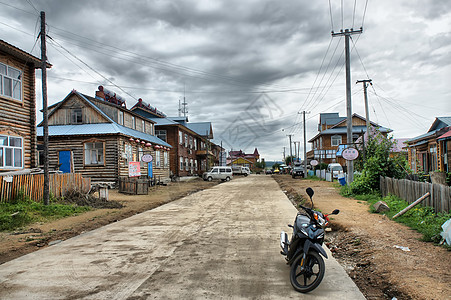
x,y
223,173
336,170
239,170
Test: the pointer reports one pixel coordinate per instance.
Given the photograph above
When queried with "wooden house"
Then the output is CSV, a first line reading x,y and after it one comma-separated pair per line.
x,y
333,133
17,108
431,151
193,152
103,140
240,158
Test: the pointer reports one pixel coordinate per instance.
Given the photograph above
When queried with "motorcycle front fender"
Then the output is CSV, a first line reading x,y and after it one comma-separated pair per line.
x,y
315,246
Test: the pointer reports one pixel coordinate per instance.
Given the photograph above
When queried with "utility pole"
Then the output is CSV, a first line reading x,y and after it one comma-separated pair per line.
x,y
291,153
45,110
284,153
305,144
347,33
295,152
367,112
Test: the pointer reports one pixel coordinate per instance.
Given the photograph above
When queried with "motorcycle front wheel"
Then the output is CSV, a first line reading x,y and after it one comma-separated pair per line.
x,y
308,278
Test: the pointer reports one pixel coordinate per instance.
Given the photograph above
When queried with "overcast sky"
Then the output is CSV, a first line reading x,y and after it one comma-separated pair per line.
x,y
247,66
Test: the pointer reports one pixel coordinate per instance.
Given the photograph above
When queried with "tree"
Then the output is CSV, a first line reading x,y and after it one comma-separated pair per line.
x,y
378,162
289,159
260,165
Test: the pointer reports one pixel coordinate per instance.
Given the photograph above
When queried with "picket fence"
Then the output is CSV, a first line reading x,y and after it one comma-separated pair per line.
x,y
32,185
410,191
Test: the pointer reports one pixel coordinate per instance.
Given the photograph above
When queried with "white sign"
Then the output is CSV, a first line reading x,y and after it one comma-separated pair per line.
x,y
350,153
314,163
134,169
146,158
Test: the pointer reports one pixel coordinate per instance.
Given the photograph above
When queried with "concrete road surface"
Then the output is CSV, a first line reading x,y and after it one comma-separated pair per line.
x,y
220,243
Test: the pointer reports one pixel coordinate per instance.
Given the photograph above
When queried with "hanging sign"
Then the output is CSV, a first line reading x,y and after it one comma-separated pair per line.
x,y
350,153
314,163
147,158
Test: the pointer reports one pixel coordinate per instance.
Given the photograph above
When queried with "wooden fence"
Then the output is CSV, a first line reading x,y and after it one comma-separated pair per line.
x,y
133,186
32,185
410,191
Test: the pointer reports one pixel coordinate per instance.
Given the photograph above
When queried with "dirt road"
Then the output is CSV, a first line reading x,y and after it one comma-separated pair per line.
x,y
217,243
364,243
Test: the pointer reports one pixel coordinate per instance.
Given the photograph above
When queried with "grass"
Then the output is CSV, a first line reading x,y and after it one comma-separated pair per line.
x,y
423,219
22,212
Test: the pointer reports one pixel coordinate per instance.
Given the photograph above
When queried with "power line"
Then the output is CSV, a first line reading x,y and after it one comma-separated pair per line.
x,y
364,12
23,10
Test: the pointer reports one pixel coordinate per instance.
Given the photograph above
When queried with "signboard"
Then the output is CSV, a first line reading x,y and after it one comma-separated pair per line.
x,y
146,158
340,150
350,153
314,163
134,169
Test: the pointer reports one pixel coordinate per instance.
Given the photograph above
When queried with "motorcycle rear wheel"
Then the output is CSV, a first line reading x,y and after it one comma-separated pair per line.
x,y
308,279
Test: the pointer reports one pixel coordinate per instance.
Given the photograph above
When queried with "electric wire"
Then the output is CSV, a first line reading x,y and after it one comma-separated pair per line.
x,y
364,13
31,4
331,19
353,15
23,10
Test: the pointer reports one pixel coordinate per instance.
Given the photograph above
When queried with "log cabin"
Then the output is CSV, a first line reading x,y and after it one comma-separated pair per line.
x,y
100,138
17,108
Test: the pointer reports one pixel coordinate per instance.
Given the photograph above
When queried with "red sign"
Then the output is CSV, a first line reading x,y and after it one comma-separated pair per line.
x,y
350,153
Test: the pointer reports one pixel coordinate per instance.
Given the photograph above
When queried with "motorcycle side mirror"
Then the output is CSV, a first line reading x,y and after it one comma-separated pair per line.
x,y
310,192
335,212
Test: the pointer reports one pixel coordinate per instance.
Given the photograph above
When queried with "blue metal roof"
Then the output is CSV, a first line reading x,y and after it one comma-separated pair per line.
x,y
423,136
355,129
163,121
100,129
202,128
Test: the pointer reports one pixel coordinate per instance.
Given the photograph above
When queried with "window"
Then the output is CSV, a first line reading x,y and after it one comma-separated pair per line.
x,y
180,138
76,116
186,164
94,153
151,128
157,159
195,144
121,118
195,165
191,142
143,125
413,159
166,159
129,152
10,82
186,140
191,164
133,123
336,140
11,152
321,142
433,152
181,163
161,134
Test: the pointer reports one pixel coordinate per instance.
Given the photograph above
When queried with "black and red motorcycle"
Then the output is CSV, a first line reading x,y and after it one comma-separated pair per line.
x,y
303,252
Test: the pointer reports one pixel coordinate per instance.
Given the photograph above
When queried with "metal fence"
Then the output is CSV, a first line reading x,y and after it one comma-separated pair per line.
x,y
32,185
410,191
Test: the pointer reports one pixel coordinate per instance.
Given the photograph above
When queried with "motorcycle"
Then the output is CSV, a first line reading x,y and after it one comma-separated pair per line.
x,y
303,251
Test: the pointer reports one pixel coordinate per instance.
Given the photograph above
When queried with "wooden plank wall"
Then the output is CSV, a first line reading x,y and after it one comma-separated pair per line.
x,y
410,191
33,185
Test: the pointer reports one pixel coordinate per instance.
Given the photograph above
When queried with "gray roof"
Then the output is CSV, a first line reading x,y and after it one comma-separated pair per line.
x,y
163,121
100,129
202,128
343,130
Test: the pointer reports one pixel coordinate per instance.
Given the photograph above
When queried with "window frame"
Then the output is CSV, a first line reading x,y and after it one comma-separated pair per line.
x,y
157,159
160,133
99,164
74,115
337,139
12,84
12,152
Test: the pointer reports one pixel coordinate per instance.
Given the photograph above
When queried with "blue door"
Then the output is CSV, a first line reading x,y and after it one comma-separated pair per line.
x,y
65,161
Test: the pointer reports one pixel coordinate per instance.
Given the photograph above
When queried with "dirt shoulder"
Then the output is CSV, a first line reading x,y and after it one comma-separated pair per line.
x,y
39,235
364,244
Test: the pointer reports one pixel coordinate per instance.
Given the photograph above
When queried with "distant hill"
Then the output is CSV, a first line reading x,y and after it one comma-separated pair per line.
x,y
269,164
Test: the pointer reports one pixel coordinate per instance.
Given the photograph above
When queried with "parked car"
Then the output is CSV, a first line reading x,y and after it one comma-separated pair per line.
x,y
298,170
269,171
238,170
336,170
222,173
